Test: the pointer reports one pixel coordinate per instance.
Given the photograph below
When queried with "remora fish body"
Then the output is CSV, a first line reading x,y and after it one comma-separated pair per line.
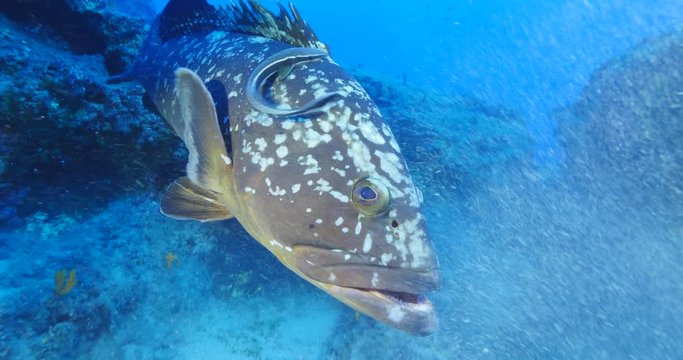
x,y
282,139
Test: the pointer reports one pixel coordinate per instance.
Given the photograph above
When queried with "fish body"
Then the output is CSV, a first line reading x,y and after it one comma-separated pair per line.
x,y
281,138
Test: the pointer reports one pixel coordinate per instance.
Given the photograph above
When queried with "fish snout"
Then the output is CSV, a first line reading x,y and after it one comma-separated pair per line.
x,y
393,295
415,316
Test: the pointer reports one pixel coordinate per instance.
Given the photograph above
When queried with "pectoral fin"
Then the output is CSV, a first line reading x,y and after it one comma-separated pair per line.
x,y
208,164
184,200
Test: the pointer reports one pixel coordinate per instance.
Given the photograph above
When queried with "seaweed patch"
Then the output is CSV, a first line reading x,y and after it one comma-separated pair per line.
x,y
64,284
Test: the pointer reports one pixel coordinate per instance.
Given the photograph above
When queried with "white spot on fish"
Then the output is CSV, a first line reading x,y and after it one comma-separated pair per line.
x,y
395,313
341,173
279,139
367,243
310,163
288,124
391,165
261,161
258,40
340,220
282,151
369,131
296,188
339,196
323,186
360,154
325,126
276,243
261,143
313,138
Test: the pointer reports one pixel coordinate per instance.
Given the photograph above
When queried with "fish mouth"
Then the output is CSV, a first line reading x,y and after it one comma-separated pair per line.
x,y
412,313
391,295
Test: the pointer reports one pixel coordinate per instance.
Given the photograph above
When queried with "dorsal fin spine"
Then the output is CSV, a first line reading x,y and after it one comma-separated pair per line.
x,y
186,17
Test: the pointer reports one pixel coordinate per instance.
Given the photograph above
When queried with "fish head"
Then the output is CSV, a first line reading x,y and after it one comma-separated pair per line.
x,y
341,210
372,254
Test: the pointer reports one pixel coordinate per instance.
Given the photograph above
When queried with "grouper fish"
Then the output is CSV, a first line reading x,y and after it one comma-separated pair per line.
x,y
282,139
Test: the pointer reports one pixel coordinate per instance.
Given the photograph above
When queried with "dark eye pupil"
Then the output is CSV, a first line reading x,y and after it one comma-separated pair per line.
x,y
367,193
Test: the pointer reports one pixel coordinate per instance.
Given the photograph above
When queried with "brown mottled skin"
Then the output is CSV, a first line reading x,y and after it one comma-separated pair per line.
x,y
290,179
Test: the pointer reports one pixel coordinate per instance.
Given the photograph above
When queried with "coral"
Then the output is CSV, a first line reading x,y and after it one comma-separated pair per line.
x,y
63,287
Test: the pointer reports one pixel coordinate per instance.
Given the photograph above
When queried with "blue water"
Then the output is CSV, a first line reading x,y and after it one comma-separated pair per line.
x,y
536,260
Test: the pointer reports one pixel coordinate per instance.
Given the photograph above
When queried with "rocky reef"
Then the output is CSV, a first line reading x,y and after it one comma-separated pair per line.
x,y
68,139
89,26
625,131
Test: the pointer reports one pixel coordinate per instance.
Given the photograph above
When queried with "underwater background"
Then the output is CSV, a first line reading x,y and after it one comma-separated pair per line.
x,y
544,135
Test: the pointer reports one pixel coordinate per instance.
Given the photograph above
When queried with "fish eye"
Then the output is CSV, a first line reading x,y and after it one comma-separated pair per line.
x,y
370,196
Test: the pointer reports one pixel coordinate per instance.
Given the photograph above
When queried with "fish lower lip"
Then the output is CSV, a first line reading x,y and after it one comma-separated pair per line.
x,y
388,294
413,313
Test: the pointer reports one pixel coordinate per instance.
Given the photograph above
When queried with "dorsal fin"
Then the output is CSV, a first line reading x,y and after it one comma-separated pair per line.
x,y
289,27
185,17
